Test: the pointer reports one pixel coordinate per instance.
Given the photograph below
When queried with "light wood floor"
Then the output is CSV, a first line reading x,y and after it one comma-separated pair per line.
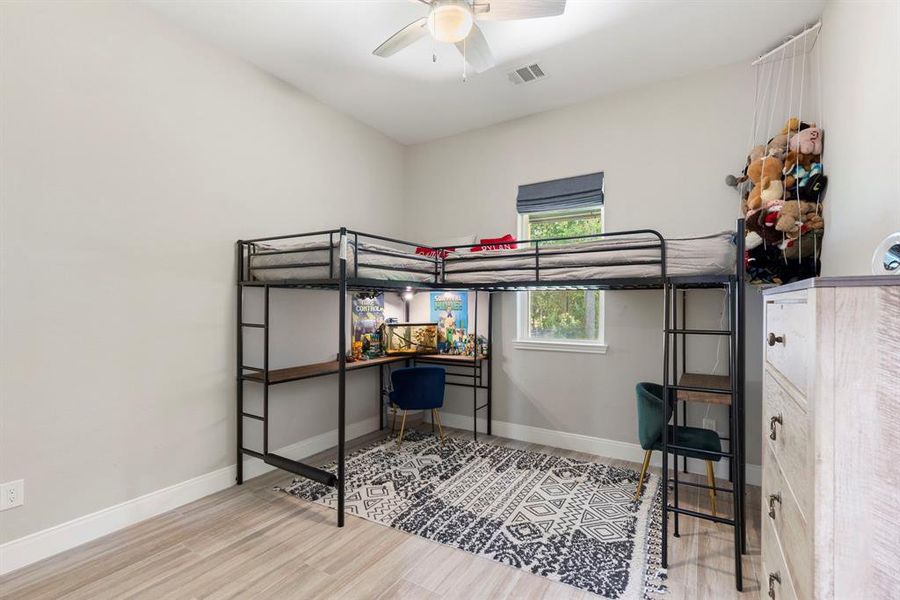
x,y
253,542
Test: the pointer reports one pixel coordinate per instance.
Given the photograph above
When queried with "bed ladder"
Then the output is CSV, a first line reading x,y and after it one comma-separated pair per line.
x,y
276,460
675,394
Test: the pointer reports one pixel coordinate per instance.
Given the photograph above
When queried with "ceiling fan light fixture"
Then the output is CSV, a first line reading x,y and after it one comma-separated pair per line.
x,y
450,22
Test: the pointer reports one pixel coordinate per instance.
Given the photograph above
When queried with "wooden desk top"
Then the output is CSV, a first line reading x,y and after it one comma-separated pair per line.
x,y
703,380
331,367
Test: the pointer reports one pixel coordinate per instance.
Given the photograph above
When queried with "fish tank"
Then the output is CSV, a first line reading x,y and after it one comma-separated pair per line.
x,y
409,338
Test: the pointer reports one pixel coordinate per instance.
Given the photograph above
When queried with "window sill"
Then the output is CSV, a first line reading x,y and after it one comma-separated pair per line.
x,y
560,346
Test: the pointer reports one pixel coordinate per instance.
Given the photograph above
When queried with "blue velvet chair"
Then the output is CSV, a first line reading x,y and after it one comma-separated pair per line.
x,y
418,388
651,420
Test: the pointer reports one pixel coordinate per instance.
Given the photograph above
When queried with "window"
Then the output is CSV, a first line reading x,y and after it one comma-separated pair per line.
x,y
569,320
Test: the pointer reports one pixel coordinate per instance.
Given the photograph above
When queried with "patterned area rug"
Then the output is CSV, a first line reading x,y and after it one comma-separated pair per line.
x,y
568,520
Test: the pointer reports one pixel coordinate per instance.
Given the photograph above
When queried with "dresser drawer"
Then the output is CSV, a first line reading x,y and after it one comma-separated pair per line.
x,y
773,563
781,510
787,337
786,421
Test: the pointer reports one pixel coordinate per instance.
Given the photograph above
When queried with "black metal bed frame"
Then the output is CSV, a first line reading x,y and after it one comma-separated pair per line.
x,y
433,277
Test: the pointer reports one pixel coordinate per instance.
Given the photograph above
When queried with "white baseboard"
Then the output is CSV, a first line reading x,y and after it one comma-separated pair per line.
x,y
37,546
585,443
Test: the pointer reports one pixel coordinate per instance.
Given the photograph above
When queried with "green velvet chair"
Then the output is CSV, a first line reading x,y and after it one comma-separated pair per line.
x,y
650,411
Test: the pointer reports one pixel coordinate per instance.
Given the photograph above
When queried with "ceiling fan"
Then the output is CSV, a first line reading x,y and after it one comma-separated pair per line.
x,y
453,22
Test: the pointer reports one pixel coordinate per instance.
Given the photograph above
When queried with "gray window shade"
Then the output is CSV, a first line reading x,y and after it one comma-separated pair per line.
x,y
561,194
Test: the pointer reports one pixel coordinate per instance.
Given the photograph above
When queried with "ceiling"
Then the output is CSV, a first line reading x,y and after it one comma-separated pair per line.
x,y
324,48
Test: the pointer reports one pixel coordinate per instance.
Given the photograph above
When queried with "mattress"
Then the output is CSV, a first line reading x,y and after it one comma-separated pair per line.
x,y
320,260
600,259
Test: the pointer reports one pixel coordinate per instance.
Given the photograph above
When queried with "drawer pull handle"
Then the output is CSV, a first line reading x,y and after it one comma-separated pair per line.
x,y
776,420
775,339
773,577
773,498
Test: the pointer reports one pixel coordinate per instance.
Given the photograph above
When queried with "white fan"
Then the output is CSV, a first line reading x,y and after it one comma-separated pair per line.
x,y
453,21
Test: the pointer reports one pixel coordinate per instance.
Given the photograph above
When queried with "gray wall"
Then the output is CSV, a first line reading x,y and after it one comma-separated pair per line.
x,y
133,157
860,56
664,150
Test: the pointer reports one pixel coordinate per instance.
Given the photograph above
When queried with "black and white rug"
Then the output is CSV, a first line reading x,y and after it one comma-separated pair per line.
x,y
568,520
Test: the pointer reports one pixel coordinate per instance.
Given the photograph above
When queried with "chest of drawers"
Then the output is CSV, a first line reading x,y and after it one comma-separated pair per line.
x,y
831,448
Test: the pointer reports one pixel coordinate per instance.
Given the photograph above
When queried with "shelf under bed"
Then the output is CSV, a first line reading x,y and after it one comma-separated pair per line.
x,y
331,367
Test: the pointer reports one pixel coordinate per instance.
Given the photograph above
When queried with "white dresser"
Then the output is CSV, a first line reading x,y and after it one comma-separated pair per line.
x,y
831,429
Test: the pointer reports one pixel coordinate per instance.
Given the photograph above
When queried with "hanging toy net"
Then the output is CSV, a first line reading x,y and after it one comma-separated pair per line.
x,y
783,182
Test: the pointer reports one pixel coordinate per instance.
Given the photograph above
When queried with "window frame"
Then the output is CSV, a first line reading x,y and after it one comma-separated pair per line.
x,y
524,339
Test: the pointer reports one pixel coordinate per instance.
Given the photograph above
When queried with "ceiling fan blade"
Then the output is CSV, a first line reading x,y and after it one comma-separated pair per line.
x,y
476,50
403,38
511,10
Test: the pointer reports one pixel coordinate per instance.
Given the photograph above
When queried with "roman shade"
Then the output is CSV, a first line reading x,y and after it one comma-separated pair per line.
x,y
561,194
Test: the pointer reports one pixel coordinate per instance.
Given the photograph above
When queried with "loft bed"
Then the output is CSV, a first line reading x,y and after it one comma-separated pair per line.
x,y
632,259
343,259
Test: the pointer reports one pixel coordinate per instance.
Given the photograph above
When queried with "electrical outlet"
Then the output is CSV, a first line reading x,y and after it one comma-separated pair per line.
x,y
709,423
12,494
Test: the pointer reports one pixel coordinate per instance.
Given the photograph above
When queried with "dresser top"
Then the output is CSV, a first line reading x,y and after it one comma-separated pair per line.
x,y
830,282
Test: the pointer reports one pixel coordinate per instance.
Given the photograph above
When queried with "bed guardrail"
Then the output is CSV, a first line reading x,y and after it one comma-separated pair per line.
x,y
432,268
329,242
544,248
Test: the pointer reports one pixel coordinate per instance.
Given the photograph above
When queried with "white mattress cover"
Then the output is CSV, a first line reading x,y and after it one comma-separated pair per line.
x,y
318,252
711,254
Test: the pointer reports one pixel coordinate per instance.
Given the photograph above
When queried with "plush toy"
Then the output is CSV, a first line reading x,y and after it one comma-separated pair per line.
x,y
808,141
778,145
796,218
762,224
806,183
793,124
756,153
814,184
807,245
792,159
734,181
766,174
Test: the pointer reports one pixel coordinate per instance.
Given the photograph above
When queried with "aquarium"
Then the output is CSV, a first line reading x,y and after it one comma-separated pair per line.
x,y
409,338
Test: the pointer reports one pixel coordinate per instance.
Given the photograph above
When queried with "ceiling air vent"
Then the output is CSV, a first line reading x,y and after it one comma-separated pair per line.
x,y
526,74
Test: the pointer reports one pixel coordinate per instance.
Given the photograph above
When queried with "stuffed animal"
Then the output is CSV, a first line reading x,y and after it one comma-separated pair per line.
x,y
814,184
762,224
797,167
808,141
796,218
777,146
809,244
793,124
766,174
806,183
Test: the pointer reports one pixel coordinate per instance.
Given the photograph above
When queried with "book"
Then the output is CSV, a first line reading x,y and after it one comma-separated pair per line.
x,y
450,311
366,317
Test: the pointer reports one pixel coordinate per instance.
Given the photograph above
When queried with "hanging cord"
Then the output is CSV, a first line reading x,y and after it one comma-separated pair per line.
x,y
788,139
797,179
777,87
772,112
761,109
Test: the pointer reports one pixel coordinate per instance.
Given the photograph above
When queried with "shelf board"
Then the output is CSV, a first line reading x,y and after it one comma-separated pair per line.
x,y
331,367
707,381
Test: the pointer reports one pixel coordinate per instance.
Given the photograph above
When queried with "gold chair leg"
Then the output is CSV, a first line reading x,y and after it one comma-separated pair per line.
x,y
394,418
644,467
435,417
402,426
711,481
